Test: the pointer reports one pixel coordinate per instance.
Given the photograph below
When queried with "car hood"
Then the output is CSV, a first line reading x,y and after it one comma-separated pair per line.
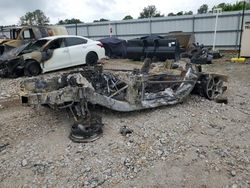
x,y
4,40
13,53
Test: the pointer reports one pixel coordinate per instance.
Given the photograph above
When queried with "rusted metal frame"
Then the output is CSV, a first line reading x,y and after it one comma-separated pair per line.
x,y
66,106
143,85
162,82
120,90
145,82
123,70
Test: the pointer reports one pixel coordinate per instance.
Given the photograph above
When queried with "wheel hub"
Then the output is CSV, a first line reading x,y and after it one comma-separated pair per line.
x,y
214,87
86,131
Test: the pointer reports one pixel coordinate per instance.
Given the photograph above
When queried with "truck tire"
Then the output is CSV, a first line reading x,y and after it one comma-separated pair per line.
x,y
91,58
32,68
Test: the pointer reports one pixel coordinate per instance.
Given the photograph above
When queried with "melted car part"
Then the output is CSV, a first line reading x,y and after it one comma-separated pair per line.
x,y
210,86
87,131
12,68
124,130
200,55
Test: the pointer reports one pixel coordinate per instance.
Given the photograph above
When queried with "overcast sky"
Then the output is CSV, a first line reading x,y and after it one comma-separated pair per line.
x,y
89,10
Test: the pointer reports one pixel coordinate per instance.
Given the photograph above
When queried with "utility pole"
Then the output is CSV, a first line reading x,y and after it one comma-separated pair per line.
x,y
76,28
216,11
150,23
242,24
110,30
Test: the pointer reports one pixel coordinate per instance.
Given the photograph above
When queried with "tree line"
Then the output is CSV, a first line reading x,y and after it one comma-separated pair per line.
x,y
38,17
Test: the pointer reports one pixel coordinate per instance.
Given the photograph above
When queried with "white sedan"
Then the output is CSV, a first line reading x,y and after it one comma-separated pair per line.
x,y
59,52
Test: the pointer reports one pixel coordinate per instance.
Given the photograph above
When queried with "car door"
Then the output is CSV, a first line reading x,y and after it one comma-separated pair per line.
x,y
60,55
77,50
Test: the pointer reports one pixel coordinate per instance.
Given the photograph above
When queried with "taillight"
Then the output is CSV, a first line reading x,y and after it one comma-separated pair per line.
x,y
101,45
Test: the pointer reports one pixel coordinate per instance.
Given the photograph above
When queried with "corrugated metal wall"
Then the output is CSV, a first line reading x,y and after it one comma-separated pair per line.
x,y
229,24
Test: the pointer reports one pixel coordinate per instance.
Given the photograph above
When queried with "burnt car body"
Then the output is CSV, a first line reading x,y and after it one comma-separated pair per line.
x,y
25,34
122,91
8,61
12,63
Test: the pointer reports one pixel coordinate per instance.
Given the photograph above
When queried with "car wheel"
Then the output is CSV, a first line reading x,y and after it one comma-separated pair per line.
x,y
91,58
212,87
32,68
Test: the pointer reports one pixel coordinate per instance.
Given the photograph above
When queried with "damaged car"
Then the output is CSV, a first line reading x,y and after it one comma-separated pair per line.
x,y
52,53
24,34
151,86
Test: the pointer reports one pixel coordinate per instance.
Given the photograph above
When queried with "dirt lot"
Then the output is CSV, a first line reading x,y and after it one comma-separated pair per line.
x,y
199,143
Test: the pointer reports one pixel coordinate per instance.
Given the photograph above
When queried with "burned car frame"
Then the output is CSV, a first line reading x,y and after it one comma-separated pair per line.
x,y
122,91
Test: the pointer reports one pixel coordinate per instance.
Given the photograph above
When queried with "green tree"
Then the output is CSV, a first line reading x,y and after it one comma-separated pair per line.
x,y
203,9
188,13
179,13
233,7
69,21
101,20
171,14
36,17
150,11
128,17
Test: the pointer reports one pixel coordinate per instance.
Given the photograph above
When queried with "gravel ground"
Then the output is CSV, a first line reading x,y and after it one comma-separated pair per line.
x,y
199,143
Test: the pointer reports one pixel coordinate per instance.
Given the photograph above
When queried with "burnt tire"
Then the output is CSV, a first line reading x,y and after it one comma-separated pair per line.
x,y
87,131
32,68
91,58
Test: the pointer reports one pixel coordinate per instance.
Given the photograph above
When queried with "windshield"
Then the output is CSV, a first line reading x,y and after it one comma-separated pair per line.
x,y
35,46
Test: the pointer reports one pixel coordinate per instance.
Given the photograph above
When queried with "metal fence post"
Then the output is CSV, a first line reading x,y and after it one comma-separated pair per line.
x,y
238,31
150,25
241,28
216,11
193,24
115,29
87,28
76,28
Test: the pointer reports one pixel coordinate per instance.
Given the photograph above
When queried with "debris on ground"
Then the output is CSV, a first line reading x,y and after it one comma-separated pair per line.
x,y
124,130
3,146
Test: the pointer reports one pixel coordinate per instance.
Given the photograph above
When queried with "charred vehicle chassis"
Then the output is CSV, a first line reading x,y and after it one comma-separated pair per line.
x,y
118,90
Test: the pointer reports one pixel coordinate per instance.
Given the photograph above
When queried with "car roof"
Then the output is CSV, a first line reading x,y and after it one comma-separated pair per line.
x,y
62,36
